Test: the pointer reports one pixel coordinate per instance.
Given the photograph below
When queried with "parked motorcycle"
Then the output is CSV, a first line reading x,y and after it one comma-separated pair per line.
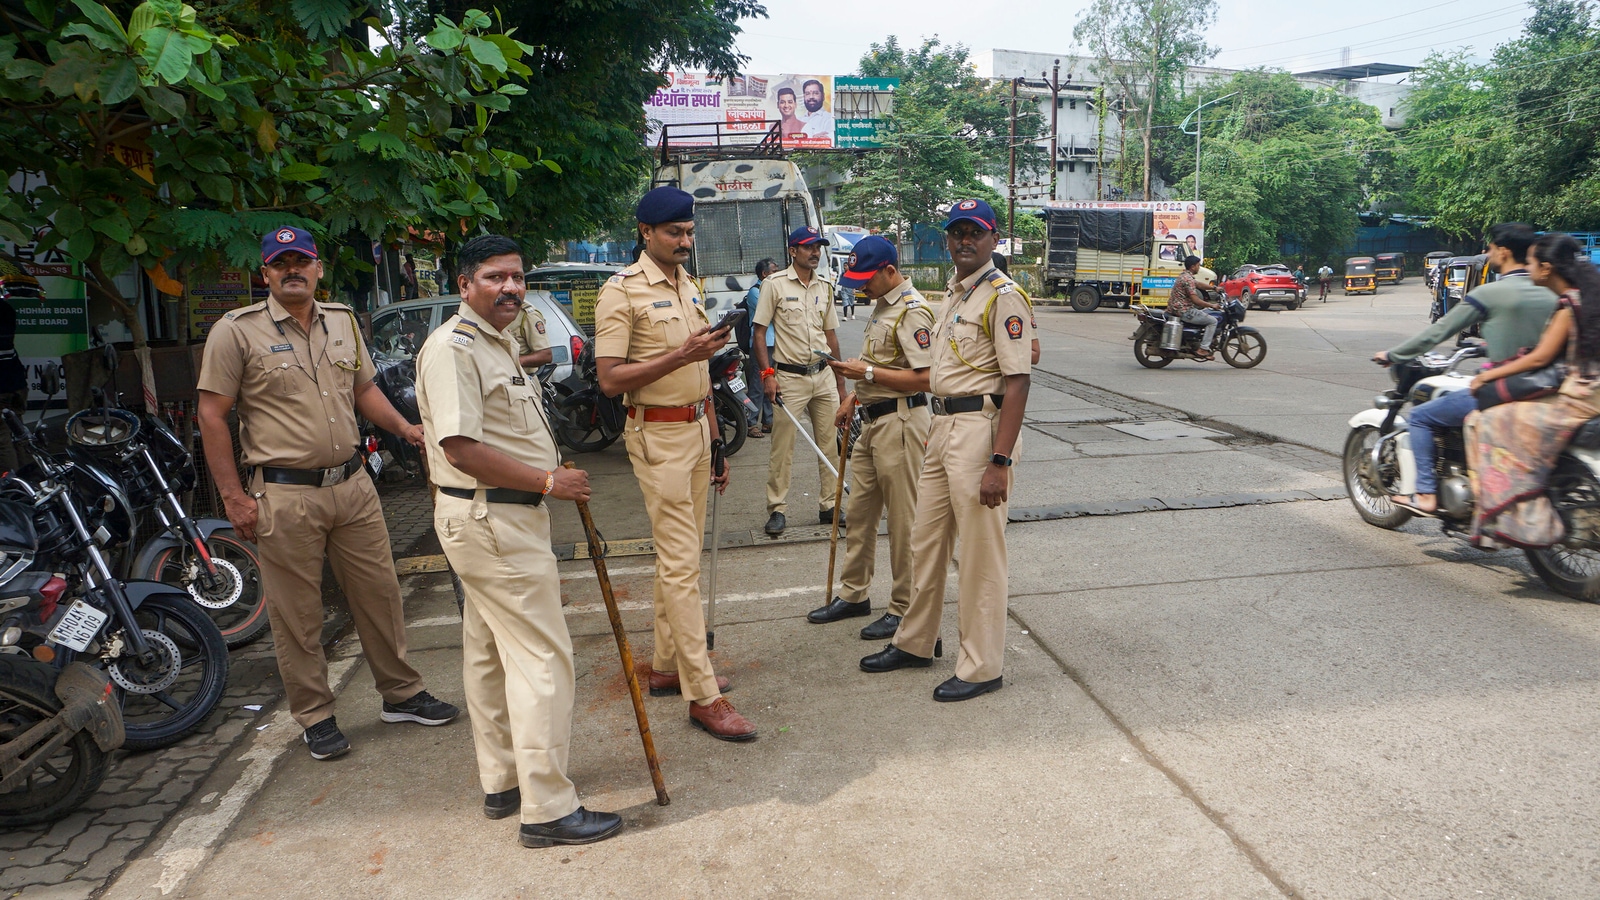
x,y
1242,346
205,557
1379,465
57,729
166,658
729,399
583,418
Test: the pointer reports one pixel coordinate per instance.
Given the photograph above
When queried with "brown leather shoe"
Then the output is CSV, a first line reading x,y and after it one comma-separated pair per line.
x,y
721,721
666,684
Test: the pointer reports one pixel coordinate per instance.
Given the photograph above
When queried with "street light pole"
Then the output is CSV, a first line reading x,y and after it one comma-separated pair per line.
x,y
1011,180
1055,108
1196,132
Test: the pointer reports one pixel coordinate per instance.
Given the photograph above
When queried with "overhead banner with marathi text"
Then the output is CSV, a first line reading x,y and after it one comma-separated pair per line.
x,y
813,112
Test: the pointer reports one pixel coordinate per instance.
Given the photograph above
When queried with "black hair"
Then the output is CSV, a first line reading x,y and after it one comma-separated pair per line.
x,y
786,90
765,267
1189,261
810,81
1002,263
1567,259
475,252
1513,236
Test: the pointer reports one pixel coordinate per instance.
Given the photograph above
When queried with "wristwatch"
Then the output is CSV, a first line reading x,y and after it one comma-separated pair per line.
x,y
1000,460
868,376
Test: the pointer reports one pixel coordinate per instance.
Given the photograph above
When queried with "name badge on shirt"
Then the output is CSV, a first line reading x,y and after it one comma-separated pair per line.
x,y
282,348
519,380
662,304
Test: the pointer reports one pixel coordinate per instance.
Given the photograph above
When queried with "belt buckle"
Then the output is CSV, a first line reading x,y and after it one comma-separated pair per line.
x,y
333,476
938,405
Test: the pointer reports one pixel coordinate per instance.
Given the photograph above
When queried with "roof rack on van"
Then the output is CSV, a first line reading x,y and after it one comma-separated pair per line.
x,y
700,141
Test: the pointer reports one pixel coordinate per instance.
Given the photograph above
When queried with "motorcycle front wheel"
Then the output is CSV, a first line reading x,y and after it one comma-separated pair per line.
x,y
1365,487
245,618
70,774
579,429
1244,349
1149,354
166,699
1572,568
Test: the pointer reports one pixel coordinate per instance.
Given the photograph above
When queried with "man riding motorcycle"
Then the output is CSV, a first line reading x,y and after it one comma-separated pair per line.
x,y
1188,303
1513,311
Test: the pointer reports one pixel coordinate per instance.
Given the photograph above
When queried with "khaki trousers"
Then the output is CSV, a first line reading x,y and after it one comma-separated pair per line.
x,y
885,466
816,396
297,526
672,461
516,655
948,507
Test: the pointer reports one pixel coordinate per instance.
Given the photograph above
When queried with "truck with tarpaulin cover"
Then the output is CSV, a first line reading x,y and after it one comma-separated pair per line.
x,y
1117,253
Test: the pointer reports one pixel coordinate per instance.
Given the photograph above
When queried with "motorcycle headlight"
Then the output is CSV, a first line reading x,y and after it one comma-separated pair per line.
x,y
1382,401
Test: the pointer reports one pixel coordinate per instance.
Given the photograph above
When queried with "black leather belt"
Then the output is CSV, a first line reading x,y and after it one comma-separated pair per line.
x,y
800,370
312,477
944,406
885,407
496,495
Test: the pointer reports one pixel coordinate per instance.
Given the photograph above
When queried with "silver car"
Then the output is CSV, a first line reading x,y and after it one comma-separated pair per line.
x,y
399,329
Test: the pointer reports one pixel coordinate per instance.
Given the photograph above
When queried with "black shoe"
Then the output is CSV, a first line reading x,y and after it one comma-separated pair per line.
x,y
885,627
424,709
776,523
579,827
838,609
326,740
890,658
498,806
956,689
825,517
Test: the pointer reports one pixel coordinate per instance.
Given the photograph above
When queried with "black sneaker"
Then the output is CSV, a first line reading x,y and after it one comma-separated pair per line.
x,y
424,709
776,523
325,740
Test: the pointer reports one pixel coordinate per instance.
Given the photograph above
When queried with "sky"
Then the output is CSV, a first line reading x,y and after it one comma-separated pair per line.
x,y
1297,36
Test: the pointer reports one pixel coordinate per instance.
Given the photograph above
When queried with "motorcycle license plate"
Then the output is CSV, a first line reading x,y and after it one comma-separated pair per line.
x,y
78,627
737,384
375,463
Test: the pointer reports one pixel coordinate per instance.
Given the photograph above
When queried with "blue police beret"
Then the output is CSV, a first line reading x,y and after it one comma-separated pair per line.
x,y
806,234
972,211
665,204
870,255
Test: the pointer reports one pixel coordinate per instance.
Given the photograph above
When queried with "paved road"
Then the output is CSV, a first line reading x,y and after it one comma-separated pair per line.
x,y
1220,683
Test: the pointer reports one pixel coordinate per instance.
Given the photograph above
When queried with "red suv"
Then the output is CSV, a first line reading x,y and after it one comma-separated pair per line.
x,y
1262,286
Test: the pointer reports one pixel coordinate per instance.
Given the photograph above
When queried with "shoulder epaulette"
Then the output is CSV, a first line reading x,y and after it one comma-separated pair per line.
x,y
243,310
465,332
1001,283
341,307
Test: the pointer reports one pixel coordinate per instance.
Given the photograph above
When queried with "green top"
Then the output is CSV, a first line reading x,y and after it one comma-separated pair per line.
x,y
1513,311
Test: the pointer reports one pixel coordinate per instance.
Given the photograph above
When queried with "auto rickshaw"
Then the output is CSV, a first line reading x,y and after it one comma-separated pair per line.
x,y
1431,263
1391,268
1360,275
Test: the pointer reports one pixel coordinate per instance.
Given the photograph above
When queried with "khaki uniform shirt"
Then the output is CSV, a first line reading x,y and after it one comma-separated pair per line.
x,y
640,316
469,385
528,330
800,314
973,354
296,391
899,335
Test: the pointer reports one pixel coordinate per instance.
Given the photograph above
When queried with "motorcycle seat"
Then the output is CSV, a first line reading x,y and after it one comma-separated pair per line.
x,y
1587,436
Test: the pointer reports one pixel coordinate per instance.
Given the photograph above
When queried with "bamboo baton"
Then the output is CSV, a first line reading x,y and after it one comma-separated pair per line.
x,y
592,535
845,435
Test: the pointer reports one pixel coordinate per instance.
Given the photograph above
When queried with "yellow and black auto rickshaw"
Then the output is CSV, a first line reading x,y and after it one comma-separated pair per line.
x,y
1431,263
1360,275
1391,268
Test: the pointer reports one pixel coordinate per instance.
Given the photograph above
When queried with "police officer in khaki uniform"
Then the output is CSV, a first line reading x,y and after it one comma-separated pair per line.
x,y
494,459
798,304
979,380
292,364
891,378
652,344
533,344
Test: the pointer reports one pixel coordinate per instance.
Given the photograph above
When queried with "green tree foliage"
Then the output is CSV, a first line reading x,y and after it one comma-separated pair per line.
x,y
1142,46
1515,139
596,63
948,128
1278,162
248,115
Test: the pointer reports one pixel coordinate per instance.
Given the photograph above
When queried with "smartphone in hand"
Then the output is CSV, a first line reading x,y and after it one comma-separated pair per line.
x,y
825,355
731,319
